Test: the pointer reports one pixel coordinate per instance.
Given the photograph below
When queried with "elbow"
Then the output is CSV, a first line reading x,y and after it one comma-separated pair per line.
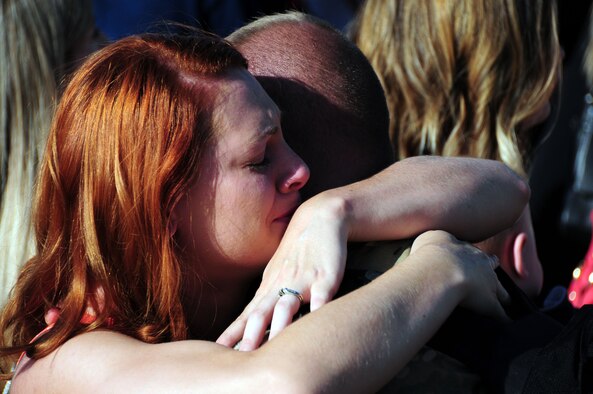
x,y
516,197
521,186
525,191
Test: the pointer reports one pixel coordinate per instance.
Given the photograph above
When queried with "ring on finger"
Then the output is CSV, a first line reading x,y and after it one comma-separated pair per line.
x,y
287,291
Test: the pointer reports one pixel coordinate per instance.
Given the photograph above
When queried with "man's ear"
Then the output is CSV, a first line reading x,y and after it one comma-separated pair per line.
x,y
519,242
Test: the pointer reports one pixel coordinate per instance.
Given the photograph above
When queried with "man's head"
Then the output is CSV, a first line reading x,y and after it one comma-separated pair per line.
x,y
334,113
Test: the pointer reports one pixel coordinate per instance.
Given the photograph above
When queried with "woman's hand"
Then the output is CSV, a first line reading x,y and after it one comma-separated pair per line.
x,y
310,260
481,290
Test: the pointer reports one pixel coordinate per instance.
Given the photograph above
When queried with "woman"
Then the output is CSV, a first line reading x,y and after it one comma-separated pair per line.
x,y
165,189
42,41
468,78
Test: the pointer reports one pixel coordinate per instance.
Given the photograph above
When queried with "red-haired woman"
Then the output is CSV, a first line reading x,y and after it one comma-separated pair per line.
x,y
165,189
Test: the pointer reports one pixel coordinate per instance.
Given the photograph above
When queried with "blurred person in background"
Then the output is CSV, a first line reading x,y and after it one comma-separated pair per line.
x,y
42,41
468,78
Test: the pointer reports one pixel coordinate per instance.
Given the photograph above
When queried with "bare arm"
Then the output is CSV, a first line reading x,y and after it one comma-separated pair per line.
x,y
472,199
332,349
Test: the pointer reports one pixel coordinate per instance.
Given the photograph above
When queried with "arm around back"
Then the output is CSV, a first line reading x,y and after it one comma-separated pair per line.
x,y
330,349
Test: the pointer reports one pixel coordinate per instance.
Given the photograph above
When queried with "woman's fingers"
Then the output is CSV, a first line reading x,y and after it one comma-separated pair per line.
x,y
233,334
254,332
322,292
250,327
268,307
286,307
236,331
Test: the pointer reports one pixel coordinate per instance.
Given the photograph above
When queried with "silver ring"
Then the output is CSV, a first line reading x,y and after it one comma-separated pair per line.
x,y
285,291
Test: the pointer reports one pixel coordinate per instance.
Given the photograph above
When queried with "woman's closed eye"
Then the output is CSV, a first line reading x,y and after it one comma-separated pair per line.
x,y
260,165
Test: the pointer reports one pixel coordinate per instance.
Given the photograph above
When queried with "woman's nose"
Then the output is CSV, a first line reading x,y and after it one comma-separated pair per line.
x,y
297,175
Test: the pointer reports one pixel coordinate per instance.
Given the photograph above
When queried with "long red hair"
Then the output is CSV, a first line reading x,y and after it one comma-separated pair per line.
x,y
124,146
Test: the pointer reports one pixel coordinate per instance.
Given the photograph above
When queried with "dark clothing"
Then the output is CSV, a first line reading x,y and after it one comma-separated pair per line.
x,y
534,353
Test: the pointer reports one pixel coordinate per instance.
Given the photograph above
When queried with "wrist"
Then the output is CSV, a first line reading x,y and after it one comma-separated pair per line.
x,y
442,271
330,206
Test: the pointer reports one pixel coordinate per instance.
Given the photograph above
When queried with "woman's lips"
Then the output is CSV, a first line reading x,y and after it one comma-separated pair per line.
x,y
287,215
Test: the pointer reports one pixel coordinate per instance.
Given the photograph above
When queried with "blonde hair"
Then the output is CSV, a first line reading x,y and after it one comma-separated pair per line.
x,y
461,76
37,38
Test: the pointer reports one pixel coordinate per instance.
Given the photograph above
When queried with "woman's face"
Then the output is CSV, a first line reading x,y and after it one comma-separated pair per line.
x,y
237,210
